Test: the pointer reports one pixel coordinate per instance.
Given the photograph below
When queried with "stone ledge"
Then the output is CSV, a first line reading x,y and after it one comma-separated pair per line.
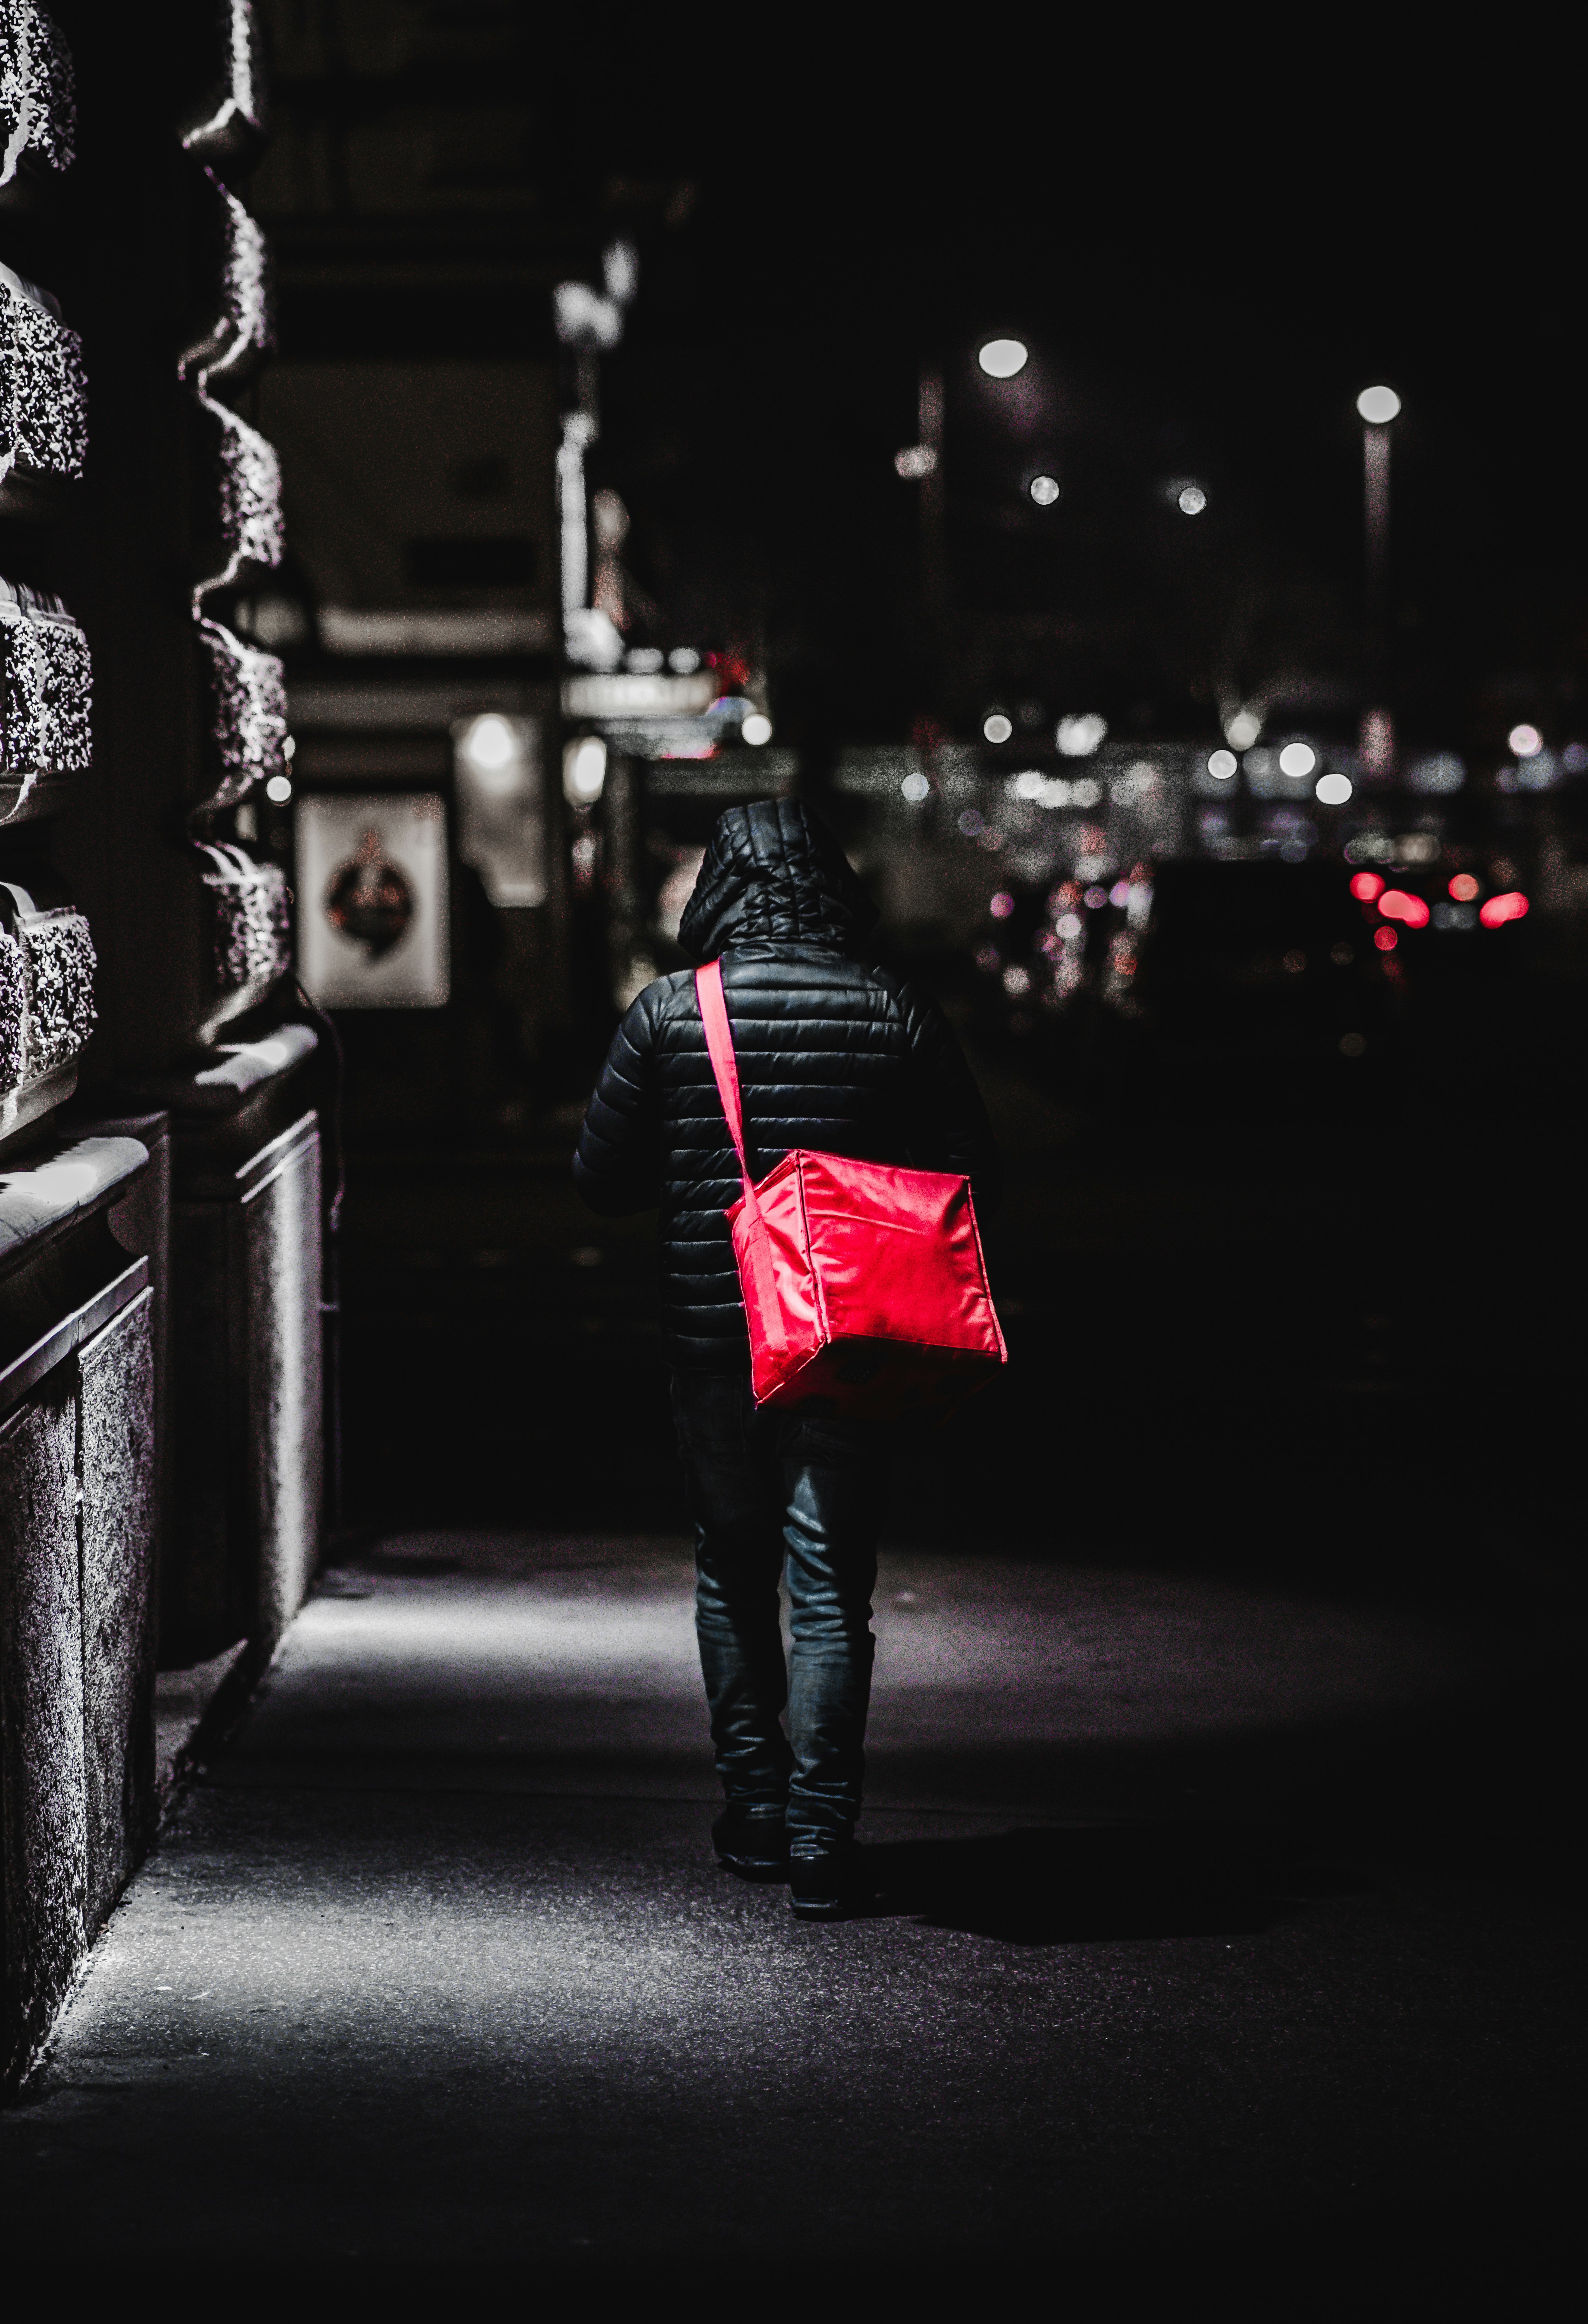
x,y
244,1068
33,1201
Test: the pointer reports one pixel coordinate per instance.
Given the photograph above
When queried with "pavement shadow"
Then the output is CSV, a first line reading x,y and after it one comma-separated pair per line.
x,y
1043,1886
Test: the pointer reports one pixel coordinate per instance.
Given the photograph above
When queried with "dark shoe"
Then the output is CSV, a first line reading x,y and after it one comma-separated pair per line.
x,y
825,1887
754,1845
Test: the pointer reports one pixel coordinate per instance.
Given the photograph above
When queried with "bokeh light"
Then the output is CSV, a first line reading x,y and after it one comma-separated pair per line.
x,y
1464,888
1222,765
1297,761
490,742
996,727
1080,735
1526,740
1002,905
584,771
1512,906
1378,405
1044,491
1332,791
1411,911
1002,359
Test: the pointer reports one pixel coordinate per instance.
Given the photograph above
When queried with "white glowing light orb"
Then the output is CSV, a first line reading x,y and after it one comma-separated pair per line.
x,y
756,728
1016,981
1378,405
279,789
1526,740
1222,765
1297,761
1029,784
1079,736
1193,500
1044,491
1002,359
685,661
289,748
1332,791
1241,729
915,787
996,727
586,770
490,742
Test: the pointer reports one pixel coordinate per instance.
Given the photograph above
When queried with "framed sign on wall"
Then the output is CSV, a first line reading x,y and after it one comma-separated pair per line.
x,y
372,900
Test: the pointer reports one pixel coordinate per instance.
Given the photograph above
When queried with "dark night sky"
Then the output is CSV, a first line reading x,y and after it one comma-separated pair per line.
x,y
1207,271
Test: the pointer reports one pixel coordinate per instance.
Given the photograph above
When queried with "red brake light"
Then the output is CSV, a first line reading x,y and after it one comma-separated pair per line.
x,y
1500,909
1396,905
1366,886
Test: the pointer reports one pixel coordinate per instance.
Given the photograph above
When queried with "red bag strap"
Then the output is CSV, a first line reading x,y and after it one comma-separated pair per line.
x,y
713,1009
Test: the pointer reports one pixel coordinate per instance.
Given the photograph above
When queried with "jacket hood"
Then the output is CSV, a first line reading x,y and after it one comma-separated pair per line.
x,y
775,874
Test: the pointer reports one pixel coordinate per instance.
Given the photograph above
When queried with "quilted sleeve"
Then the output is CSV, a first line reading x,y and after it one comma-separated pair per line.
x,y
949,1129
618,1163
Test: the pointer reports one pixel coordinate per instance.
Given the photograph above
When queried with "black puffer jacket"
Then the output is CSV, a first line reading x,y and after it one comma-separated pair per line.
x,y
833,1053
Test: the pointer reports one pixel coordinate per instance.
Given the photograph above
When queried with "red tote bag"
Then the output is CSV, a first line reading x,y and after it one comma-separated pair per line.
x,y
863,1283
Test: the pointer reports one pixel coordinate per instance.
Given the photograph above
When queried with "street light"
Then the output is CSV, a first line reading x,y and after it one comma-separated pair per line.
x,y
1378,407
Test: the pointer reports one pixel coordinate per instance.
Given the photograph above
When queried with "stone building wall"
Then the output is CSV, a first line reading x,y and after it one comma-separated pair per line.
x,y
146,1002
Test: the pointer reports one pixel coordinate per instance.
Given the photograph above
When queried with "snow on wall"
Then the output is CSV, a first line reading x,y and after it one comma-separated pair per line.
x,y
38,104
237,102
44,430
14,1013
45,685
240,326
46,962
248,711
248,486
253,925
59,952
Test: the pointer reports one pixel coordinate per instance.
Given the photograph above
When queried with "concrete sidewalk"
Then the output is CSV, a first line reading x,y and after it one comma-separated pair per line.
x,y
1186,1947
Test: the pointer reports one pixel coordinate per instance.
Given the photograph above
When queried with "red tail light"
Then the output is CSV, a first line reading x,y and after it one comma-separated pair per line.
x,y
1396,905
1366,886
1495,913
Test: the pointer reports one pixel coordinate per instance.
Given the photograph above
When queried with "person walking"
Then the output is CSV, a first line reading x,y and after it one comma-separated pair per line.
x,y
837,1053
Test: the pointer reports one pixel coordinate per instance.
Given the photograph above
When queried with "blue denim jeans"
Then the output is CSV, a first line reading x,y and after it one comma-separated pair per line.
x,y
770,1493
